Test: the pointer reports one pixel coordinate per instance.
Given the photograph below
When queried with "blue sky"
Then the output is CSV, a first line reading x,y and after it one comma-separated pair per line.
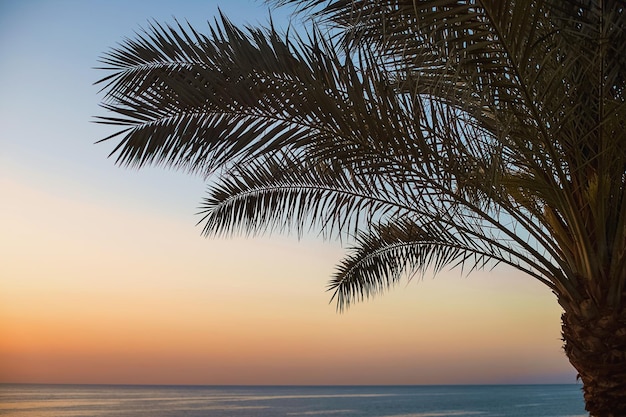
x,y
50,50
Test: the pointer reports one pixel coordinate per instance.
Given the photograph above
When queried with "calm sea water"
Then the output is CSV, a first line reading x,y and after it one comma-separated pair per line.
x,y
266,401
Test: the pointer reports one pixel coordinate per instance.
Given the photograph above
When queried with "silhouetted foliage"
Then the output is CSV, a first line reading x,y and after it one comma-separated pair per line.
x,y
431,134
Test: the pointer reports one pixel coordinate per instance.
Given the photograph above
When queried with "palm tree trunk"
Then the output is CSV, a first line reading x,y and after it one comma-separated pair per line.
x,y
595,343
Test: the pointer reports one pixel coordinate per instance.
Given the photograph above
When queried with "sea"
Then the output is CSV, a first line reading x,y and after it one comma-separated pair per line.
x,y
25,400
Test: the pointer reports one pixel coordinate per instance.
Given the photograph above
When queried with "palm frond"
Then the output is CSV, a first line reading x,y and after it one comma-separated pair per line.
x,y
197,102
499,125
286,192
391,251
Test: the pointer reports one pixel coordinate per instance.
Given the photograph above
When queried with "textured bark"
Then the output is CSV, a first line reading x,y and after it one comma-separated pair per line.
x,y
595,343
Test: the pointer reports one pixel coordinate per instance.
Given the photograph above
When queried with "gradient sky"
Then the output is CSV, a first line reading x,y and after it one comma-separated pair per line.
x,y
104,277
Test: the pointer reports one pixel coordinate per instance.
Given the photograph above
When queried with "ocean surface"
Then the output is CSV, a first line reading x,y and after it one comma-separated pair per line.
x,y
272,401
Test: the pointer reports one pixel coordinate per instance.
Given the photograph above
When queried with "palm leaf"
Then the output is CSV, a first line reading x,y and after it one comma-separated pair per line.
x,y
499,121
285,192
402,248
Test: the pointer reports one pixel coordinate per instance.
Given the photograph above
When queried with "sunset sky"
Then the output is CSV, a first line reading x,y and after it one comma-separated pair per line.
x,y
105,277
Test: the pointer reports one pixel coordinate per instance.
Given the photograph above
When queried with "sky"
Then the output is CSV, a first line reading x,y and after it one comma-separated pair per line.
x,y
105,277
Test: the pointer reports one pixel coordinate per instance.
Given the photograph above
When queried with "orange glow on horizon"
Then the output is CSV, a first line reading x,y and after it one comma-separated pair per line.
x,y
165,306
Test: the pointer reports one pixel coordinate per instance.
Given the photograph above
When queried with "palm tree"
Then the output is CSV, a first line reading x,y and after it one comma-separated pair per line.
x,y
431,134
